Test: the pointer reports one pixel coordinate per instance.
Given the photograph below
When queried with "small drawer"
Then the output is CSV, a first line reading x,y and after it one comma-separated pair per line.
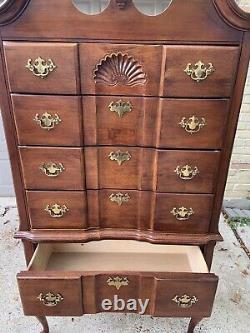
x,y
162,280
52,168
146,210
48,120
154,122
151,169
200,71
50,68
120,69
57,210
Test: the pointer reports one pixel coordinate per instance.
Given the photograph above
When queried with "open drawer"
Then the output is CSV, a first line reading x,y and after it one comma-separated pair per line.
x,y
117,276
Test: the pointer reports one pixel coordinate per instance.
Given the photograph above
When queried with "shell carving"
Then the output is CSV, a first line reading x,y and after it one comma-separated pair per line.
x,y
119,69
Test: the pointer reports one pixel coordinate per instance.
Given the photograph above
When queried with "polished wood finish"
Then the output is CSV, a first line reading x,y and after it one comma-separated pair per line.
x,y
72,160
99,61
67,133
43,321
74,218
63,80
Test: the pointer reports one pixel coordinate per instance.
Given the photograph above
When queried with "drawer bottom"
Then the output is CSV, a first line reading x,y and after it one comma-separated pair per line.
x,y
117,276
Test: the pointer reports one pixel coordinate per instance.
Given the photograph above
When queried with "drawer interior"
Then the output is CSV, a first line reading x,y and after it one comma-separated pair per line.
x,y
112,255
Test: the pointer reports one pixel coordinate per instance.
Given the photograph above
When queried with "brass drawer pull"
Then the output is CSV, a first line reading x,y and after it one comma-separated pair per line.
x,y
186,172
199,72
185,301
118,282
120,107
41,67
119,198
46,121
52,169
119,156
182,213
50,299
56,210
192,124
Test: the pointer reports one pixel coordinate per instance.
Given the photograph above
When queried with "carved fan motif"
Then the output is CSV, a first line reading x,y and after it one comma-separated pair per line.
x,y
121,69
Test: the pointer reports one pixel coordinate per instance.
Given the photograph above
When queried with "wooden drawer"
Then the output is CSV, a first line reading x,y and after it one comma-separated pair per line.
x,y
199,79
151,169
48,120
53,168
146,210
120,69
156,276
50,68
57,210
154,122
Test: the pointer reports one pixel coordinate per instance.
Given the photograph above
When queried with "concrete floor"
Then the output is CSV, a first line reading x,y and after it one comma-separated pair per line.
x,y
231,311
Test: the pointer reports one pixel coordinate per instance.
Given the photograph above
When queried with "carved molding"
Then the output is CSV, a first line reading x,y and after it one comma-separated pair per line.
x,y
122,3
119,69
10,10
232,14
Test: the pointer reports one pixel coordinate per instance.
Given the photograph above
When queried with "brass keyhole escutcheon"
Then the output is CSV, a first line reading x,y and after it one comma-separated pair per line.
x,y
118,282
47,121
185,301
56,210
50,299
186,172
182,213
119,156
199,71
121,107
40,67
51,169
119,198
192,124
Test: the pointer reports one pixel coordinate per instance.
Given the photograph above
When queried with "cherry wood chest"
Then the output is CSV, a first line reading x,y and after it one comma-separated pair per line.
x,y
120,128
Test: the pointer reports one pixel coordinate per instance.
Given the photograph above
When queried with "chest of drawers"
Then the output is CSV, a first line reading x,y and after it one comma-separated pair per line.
x,y
120,128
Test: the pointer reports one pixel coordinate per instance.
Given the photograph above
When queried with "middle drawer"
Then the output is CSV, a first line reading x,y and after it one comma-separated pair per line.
x,y
120,167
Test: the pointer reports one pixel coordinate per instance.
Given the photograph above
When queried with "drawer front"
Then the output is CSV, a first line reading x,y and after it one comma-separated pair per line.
x,y
164,294
183,213
48,120
187,123
154,122
120,69
45,295
187,171
57,210
151,169
42,67
200,71
146,210
52,168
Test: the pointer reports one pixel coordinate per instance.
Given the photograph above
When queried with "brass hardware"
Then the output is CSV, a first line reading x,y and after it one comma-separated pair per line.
x,y
199,71
120,156
52,169
118,282
192,124
56,210
40,67
47,121
185,301
182,213
186,172
120,107
50,299
119,198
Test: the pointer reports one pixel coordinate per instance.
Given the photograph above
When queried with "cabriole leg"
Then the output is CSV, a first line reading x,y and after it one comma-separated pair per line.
x,y
44,323
193,323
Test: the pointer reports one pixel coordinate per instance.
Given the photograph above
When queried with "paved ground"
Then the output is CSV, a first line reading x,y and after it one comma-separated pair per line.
x,y
231,312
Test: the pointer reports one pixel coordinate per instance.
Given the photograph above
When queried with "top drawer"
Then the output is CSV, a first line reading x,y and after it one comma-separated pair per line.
x,y
50,68
154,70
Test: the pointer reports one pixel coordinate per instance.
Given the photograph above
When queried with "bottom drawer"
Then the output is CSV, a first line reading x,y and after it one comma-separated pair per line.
x,y
117,276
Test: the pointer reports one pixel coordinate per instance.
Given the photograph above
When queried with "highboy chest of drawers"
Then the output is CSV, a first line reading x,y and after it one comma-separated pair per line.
x,y
120,127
